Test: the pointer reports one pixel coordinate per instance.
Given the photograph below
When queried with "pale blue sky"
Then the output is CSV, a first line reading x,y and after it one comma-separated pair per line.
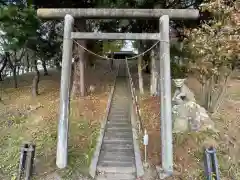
x,y
128,47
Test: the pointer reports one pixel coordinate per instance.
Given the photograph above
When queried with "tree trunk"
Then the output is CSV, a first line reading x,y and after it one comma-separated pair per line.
x,y
219,99
203,93
28,64
89,58
153,86
82,73
14,71
2,68
111,61
35,81
146,57
79,73
57,64
140,77
206,94
18,70
146,66
15,76
44,68
210,93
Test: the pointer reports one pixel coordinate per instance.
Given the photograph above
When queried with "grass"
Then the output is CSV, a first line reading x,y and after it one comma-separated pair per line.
x,y
80,154
81,145
27,119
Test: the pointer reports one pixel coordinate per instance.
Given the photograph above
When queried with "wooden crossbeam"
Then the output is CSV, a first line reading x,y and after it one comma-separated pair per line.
x,y
116,36
91,13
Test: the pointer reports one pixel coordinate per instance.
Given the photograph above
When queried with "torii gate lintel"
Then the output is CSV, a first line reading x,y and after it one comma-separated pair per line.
x,y
103,13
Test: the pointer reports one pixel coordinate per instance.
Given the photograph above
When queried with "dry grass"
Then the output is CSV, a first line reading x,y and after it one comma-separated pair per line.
x,y
24,118
188,147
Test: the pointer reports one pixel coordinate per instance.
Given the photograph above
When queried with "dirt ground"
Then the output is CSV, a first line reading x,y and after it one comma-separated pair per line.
x,y
27,119
189,147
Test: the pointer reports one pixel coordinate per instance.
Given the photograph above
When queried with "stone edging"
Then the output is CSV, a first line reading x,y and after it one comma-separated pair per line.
x,y
135,121
137,152
94,161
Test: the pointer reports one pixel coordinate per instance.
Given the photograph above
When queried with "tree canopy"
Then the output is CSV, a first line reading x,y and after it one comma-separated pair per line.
x,y
18,23
215,43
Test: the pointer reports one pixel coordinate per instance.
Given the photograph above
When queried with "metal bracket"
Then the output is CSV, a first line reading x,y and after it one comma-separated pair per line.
x,y
211,164
26,161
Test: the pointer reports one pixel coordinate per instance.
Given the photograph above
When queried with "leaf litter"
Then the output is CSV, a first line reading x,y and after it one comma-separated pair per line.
x,y
188,147
39,124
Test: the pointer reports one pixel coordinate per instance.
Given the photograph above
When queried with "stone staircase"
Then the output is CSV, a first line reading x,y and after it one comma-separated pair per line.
x,y
117,160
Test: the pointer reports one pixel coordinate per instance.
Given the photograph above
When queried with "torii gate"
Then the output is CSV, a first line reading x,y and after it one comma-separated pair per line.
x,y
165,80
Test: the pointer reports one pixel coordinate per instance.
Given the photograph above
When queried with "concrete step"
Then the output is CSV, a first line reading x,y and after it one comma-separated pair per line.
x,y
117,135
119,100
120,126
119,122
120,97
117,147
116,167
117,140
116,122
119,107
112,150
129,154
121,113
120,94
119,116
116,176
113,125
120,129
123,130
116,109
122,159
